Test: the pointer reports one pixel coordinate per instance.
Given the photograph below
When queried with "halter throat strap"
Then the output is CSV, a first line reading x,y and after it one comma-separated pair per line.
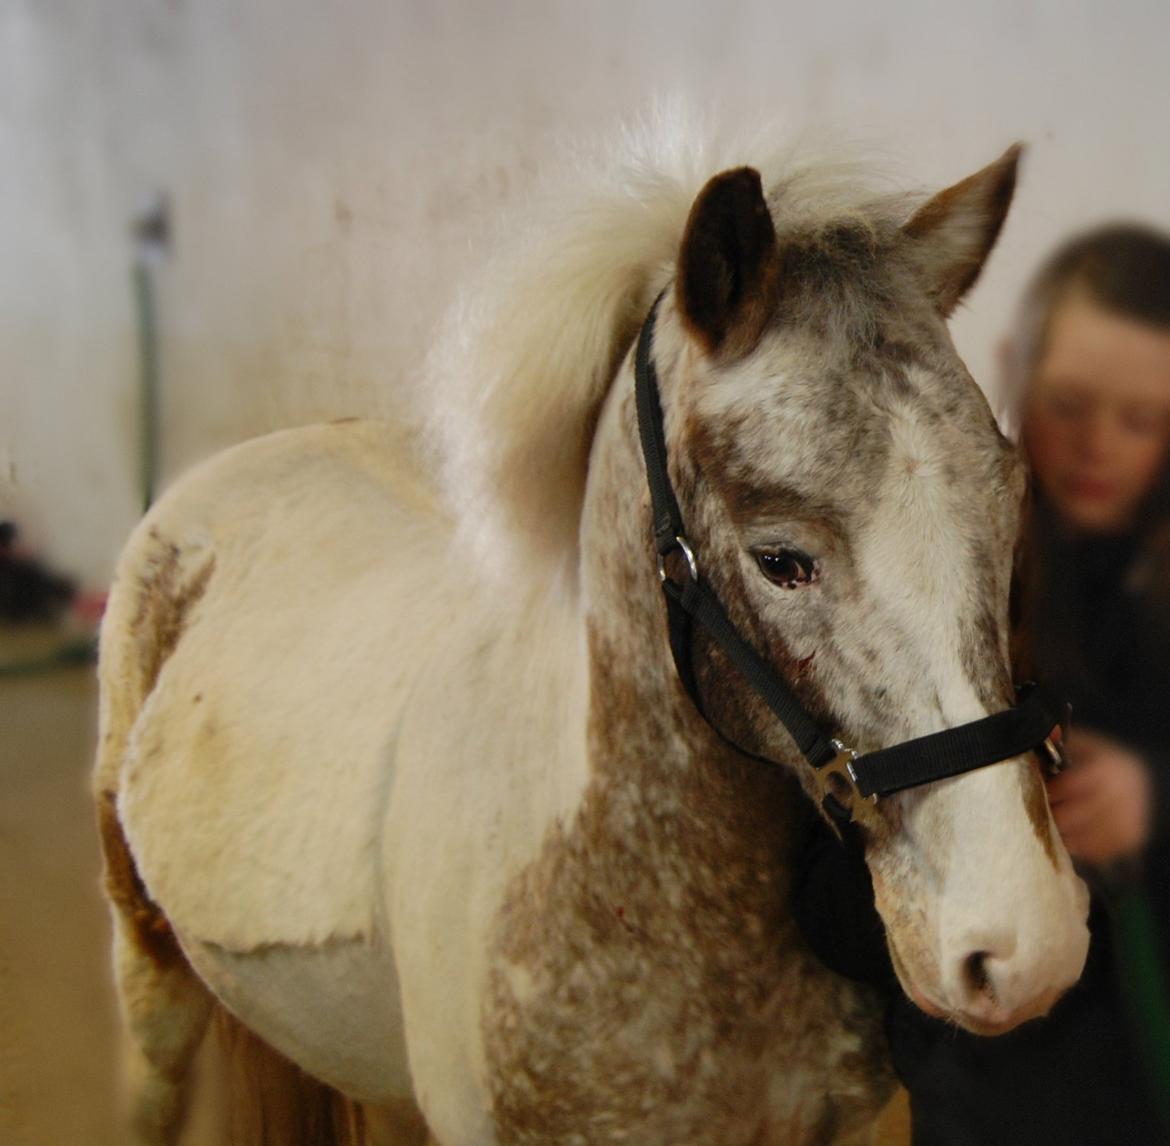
x,y
848,782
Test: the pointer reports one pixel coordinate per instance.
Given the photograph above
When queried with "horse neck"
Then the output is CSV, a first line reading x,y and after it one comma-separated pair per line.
x,y
660,775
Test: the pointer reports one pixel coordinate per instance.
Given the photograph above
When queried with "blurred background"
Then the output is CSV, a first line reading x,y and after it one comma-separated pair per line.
x,y
252,213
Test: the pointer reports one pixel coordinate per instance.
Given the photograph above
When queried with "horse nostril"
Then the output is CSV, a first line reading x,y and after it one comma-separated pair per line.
x,y
976,975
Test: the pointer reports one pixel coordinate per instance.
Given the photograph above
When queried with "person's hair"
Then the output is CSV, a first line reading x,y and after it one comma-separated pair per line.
x,y
1123,268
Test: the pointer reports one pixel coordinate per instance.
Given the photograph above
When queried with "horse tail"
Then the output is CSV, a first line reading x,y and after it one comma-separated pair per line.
x,y
269,1101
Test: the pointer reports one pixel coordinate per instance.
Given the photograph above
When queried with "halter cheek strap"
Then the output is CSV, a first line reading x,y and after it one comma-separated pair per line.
x,y
848,784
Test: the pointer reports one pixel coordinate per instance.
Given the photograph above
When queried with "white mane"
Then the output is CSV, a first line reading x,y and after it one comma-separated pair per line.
x,y
526,355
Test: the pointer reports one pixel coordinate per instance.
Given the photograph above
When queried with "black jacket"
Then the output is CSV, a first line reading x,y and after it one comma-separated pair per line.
x,y
1074,1078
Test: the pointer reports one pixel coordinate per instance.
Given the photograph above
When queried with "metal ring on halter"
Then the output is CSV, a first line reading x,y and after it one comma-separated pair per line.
x,y
679,543
1053,756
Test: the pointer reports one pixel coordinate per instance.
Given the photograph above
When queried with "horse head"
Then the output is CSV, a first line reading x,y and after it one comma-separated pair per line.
x,y
855,507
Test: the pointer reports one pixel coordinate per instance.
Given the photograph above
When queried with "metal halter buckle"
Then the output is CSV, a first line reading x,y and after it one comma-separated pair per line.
x,y
838,784
843,763
679,542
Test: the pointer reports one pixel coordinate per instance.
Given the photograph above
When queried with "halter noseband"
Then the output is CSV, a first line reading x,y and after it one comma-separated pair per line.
x,y
848,784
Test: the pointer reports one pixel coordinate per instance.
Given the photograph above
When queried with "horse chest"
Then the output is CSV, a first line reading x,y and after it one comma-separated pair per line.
x,y
625,1009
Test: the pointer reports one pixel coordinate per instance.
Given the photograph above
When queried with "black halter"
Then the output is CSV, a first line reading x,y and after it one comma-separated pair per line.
x,y
841,775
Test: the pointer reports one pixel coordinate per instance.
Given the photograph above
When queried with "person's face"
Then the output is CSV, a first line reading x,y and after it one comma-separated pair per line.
x,y
1097,419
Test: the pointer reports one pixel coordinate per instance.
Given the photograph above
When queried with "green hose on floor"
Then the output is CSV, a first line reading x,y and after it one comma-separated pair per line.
x,y
68,655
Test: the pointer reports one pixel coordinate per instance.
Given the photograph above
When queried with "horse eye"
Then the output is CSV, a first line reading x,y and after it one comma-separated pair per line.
x,y
788,568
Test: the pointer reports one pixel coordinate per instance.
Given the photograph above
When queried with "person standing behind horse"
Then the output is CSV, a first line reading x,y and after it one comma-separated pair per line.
x,y
1092,352
1090,366
1089,377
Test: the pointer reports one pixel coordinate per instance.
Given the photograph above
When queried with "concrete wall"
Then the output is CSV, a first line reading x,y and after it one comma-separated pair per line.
x,y
329,167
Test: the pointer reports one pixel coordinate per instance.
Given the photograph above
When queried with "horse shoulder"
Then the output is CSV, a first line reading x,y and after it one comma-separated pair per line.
x,y
491,761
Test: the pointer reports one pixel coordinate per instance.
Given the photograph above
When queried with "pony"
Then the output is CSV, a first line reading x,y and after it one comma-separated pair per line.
x,y
396,776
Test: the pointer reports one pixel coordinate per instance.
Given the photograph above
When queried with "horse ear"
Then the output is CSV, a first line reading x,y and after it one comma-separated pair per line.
x,y
952,234
729,264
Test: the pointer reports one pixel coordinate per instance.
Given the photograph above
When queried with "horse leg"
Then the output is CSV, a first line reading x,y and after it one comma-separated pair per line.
x,y
164,1005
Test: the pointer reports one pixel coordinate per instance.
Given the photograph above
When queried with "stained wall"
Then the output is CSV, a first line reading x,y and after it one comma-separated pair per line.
x,y
330,167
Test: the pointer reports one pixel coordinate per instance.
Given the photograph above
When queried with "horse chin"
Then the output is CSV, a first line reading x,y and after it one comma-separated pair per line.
x,y
920,997
988,1020
990,1028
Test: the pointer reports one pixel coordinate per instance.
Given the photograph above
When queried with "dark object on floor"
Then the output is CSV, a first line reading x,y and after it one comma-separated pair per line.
x,y
29,592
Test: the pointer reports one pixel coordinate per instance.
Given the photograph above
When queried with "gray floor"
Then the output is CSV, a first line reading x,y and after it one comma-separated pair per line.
x,y
57,1016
